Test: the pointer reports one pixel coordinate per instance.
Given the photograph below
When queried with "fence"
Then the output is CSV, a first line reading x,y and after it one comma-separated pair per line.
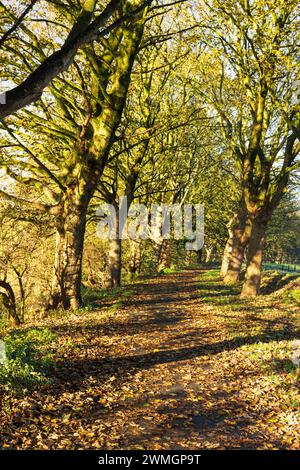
x,y
289,268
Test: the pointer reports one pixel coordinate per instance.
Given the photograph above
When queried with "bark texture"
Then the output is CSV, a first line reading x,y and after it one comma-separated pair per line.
x,y
238,239
251,286
115,257
226,255
66,283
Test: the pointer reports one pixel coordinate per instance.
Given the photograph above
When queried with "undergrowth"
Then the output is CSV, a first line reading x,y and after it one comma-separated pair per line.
x,y
27,359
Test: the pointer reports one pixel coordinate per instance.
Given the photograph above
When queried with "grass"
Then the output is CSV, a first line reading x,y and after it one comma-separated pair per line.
x,y
265,316
92,298
28,354
27,359
275,359
292,296
214,291
212,273
171,270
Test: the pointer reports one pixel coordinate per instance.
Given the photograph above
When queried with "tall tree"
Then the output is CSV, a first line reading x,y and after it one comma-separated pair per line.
x,y
84,116
254,48
152,117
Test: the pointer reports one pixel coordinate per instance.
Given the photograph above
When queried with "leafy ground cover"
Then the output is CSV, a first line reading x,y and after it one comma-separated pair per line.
x,y
178,362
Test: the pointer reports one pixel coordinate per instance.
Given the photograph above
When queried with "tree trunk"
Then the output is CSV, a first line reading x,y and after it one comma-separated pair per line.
x,y
199,256
235,262
115,257
208,250
22,293
66,283
227,254
239,237
9,302
163,256
115,262
251,286
136,255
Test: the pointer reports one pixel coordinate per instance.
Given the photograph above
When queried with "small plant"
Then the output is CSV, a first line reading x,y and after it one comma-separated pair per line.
x,y
290,367
292,296
28,359
171,270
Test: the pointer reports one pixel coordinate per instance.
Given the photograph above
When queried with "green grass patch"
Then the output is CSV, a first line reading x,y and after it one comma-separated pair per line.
x,y
28,359
212,273
89,295
93,297
213,291
292,296
171,270
276,360
113,298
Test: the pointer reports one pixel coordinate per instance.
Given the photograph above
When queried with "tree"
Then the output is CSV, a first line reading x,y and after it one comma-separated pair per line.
x,y
253,47
282,241
85,115
21,236
152,117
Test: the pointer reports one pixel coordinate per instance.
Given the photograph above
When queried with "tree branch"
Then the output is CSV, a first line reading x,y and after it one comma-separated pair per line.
x,y
31,89
17,23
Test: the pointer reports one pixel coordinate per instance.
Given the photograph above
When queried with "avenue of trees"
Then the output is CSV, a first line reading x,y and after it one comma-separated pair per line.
x,y
163,101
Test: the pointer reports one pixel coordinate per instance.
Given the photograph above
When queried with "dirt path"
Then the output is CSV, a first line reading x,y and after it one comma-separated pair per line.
x,y
183,364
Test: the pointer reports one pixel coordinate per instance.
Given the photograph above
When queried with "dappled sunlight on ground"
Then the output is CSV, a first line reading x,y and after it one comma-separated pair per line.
x,y
183,363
